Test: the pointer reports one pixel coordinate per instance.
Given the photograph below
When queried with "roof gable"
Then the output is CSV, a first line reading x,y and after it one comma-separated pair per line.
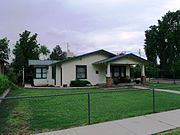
x,y
87,54
119,57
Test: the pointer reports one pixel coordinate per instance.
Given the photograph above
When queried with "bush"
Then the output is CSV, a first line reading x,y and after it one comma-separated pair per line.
x,y
5,84
137,81
10,73
79,83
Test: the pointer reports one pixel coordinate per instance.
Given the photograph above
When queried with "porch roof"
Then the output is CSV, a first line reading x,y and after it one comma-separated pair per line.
x,y
121,56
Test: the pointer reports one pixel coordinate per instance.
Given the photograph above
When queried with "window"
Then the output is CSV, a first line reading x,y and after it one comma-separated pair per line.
x,y
81,72
97,72
41,73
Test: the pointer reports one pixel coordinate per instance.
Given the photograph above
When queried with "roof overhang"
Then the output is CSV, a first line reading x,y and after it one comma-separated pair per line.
x,y
87,54
121,57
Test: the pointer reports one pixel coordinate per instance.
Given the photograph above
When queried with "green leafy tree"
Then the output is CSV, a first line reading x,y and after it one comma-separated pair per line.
x,y
26,48
4,48
44,50
57,54
163,41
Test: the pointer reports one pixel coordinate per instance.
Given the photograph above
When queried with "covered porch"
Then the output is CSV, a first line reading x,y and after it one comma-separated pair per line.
x,y
118,68
120,73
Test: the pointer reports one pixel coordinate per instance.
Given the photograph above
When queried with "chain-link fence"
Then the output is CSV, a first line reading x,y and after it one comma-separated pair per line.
x,y
34,114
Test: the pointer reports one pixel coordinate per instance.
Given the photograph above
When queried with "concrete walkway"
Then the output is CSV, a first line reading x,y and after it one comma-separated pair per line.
x,y
169,91
156,89
141,125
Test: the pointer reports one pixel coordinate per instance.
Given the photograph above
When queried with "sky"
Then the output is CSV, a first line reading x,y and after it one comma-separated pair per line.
x,y
87,25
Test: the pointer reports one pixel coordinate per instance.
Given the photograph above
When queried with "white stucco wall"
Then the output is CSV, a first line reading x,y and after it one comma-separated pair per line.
x,y
50,81
40,82
58,75
69,69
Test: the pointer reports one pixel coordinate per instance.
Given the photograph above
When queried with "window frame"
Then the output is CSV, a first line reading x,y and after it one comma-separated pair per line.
x,y
81,66
41,72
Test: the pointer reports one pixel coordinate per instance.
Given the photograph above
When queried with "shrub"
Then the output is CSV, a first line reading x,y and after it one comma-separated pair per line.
x,y
10,74
137,81
79,83
5,84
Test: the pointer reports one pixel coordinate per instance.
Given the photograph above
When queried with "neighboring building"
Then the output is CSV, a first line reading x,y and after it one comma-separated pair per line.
x,y
98,67
2,62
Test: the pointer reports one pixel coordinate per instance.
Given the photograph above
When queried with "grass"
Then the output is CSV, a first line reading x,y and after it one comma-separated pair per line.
x,y
28,116
166,86
170,132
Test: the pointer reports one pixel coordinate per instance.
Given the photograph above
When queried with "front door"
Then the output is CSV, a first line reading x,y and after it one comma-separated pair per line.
x,y
118,73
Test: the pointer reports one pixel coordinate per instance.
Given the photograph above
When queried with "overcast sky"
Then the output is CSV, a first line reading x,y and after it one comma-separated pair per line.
x,y
88,25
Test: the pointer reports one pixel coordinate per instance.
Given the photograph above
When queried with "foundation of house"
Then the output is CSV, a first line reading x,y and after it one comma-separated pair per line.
x,y
109,81
143,80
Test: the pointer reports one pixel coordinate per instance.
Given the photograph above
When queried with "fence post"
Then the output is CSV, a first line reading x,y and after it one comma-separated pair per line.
x,y
154,101
89,110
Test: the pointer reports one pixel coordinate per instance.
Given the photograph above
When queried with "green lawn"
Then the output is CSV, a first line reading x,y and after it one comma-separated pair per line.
x,y
25,116
168,86
171,132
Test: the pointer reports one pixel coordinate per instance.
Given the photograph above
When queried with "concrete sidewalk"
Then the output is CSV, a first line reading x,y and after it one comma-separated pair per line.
x,y
141,125
157,89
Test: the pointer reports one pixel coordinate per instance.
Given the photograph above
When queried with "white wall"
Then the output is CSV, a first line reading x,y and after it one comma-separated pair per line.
x,y
50,81
58,75
69,69
40,82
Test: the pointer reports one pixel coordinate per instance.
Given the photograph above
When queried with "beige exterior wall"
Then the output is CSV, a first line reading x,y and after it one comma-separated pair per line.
x,y
49,76
69,69
58,75
40,82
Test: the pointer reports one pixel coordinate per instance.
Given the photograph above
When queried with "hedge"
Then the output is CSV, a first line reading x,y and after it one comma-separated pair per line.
x,y
79,83
5,84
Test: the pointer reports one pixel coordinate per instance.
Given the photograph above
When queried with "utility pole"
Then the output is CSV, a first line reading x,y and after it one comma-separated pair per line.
x,y
67,46
140,52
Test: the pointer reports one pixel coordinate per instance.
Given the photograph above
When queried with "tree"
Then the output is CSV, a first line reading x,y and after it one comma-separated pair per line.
x,y
44,51
4,48
57,54
26,48
163,41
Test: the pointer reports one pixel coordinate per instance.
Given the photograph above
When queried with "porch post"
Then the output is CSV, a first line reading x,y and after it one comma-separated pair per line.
x,y
143,76
108,76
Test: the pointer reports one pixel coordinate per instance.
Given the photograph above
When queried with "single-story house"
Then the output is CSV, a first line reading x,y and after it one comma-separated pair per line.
x,y
98,67
2,62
